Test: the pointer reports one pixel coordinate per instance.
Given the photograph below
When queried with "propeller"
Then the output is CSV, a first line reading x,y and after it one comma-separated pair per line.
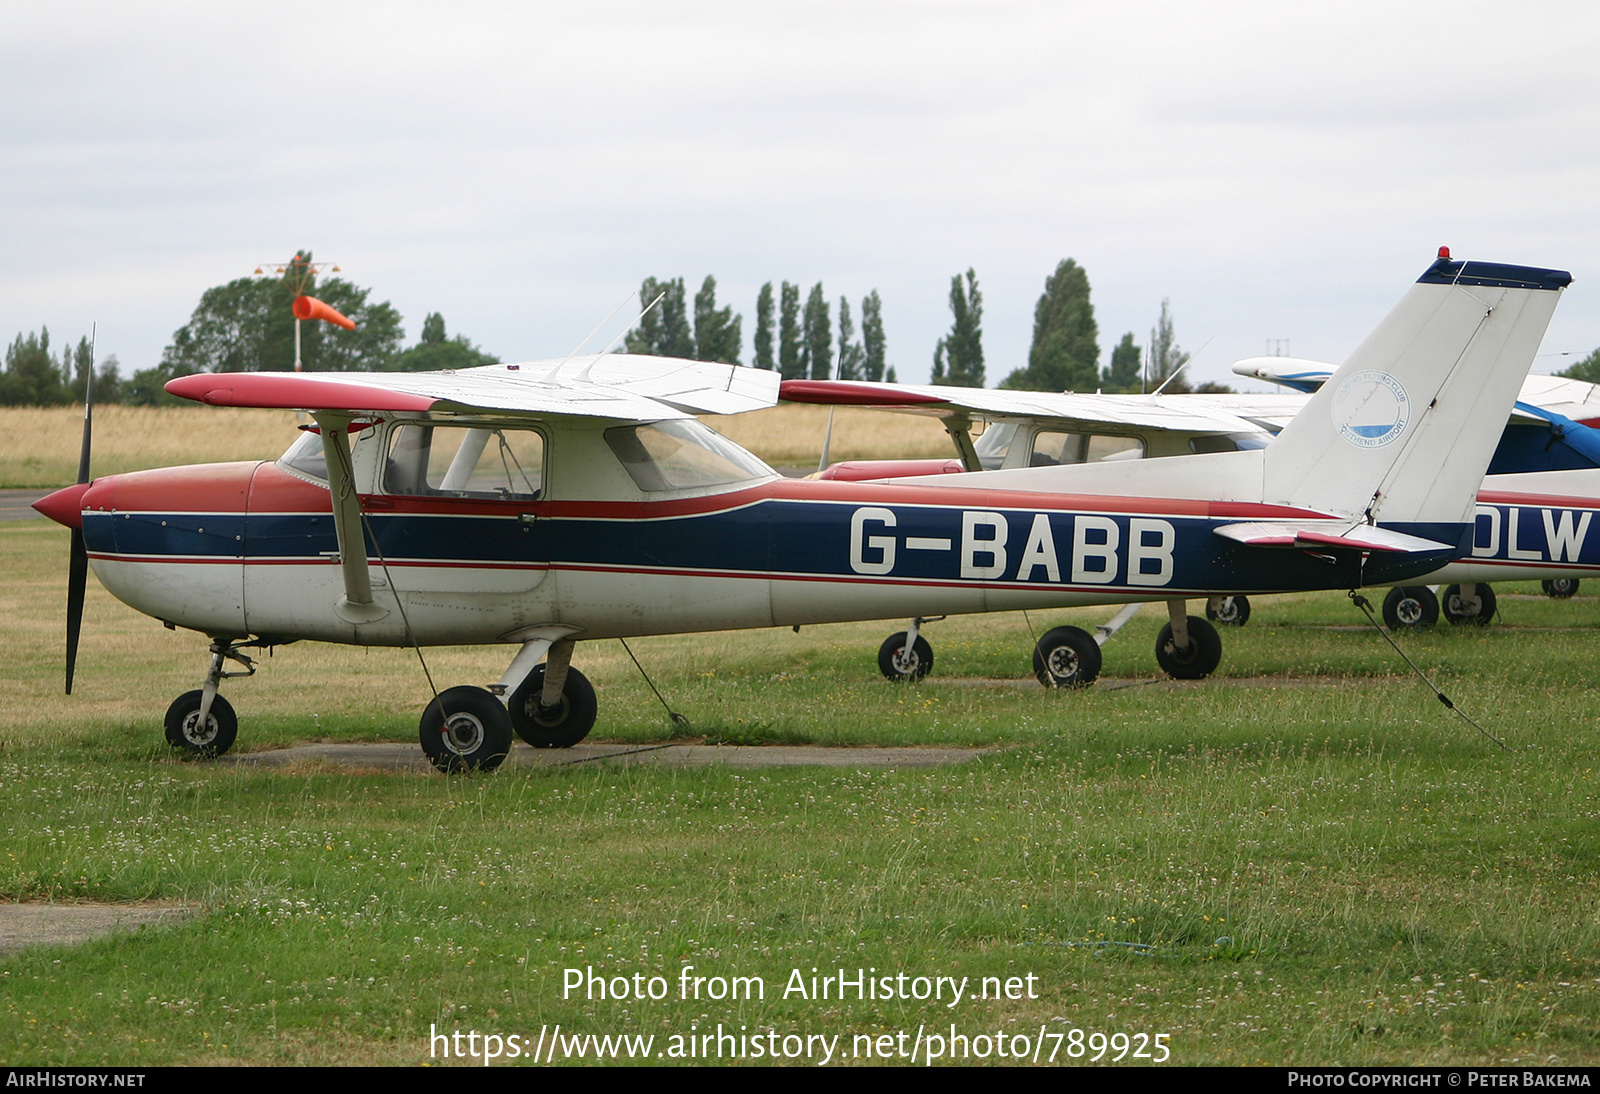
x,y
78,563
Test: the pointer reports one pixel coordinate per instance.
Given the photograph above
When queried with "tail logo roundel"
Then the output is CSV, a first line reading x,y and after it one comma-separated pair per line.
x,y
1371,409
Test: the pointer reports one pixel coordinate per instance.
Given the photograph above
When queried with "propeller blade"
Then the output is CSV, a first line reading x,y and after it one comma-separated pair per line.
x,y
78,561
77,579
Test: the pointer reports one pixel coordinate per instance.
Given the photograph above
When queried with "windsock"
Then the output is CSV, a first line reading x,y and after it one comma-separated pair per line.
x,y
309,307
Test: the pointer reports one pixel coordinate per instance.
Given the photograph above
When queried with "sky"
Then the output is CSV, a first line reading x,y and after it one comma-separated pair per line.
x,y
1276,171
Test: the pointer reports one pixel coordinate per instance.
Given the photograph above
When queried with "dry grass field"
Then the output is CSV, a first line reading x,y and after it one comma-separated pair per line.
x,y
39,446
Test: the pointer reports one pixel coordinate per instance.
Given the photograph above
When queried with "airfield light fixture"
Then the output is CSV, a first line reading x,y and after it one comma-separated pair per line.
x,y
298,276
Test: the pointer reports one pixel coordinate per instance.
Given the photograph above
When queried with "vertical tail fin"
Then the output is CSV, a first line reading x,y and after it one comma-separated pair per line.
x,y
1404,429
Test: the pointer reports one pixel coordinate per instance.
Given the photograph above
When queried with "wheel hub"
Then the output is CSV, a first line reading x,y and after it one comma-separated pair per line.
x,y
1183,655
550,716
906,662
463,733
1063,663
198,735
1409,611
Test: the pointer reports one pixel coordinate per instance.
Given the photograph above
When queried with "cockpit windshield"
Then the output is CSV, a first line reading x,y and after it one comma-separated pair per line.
x,y
993,444
682,455
305,456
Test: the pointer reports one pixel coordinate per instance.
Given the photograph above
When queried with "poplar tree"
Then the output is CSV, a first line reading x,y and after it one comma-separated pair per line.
x,y
1122,375
1066,352
764,328
851,356
958,358
789,333
664,331
1165,356
816,353
717,331
872,337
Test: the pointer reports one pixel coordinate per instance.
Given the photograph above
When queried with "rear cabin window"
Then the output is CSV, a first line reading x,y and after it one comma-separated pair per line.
x,y
1051,448
465,461
682,455
1228,442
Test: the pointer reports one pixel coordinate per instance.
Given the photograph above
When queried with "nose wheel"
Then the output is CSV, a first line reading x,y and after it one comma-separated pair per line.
x,y
201,723
207,736
1228,611
1410,608
1560,588
899,659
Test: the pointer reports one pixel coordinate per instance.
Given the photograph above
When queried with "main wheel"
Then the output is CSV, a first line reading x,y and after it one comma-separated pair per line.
x,y
898,663
1461,608
1411,607
1560,588
1199,660
185,731
466,729
560,726
1066,657
1232,611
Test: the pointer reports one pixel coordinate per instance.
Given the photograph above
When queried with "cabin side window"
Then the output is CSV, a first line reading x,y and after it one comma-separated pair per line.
x,y
1052,448
465,461
682,455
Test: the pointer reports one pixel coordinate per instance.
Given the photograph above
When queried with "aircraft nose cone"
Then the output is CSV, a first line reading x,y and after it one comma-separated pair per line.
x,y
65,506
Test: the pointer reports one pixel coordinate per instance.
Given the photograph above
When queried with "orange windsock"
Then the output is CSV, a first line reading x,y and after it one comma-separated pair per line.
x,y
309,307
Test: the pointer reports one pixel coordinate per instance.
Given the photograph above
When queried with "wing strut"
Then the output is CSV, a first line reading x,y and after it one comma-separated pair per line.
x,y
356,605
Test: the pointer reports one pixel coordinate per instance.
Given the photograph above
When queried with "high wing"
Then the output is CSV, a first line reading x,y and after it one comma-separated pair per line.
x,y
1067,410
625,386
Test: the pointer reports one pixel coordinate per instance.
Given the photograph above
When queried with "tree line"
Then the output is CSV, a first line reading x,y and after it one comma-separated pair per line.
x,y
797,344
246,325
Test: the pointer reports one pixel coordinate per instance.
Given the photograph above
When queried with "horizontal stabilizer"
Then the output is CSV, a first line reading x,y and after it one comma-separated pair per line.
x,y
1341,533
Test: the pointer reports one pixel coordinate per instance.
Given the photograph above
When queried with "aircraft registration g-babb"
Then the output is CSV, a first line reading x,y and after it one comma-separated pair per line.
x,y
544,504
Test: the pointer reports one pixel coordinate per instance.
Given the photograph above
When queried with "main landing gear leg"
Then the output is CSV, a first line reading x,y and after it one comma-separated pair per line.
x,y
469,728
551,705
201,722
1188,647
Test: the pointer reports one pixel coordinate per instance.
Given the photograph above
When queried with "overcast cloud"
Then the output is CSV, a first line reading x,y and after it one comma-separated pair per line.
x,y
1277,171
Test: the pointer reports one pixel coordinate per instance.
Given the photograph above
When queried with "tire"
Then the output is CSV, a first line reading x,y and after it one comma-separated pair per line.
x,y
1560,588
477,735
183,731
1410,608
1460,609
1199,660
565,725
1234,611
1066,657
912,664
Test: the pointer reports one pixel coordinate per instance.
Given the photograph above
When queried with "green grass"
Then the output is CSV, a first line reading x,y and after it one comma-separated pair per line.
x,y
1306,860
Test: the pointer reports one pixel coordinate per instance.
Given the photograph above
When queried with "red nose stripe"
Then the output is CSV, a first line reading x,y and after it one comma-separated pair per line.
x,y
65,506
